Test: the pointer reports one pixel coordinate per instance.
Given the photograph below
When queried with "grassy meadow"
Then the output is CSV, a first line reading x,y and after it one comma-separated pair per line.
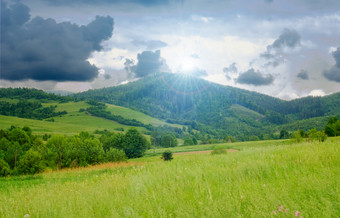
x,y
263,179
74,121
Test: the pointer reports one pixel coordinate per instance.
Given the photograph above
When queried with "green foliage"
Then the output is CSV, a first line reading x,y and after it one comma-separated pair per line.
x,y
57,144
19,135
99,111
227,138
135,144
218,150
115,155
32,162
254,138
28,109
169,140
112,140
333,127
297,136
188,142
5,170
315,135
284,134
167,156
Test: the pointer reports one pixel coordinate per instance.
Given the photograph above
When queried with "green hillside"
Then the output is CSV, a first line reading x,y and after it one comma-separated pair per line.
x,y
214,109
75,121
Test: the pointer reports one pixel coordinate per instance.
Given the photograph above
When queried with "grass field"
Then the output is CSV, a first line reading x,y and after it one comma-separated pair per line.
x,y
74,121
258,181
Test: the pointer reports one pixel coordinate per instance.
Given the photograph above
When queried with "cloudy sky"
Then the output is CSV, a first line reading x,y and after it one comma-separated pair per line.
x,y
283,48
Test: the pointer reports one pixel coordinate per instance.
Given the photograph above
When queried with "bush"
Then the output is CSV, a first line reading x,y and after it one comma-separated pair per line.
x,y
167,156
188,142
218,150
297,137
5,170
32,162
115,155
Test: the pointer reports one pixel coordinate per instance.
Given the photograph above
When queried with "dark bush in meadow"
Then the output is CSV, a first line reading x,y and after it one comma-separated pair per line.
x,y
167,156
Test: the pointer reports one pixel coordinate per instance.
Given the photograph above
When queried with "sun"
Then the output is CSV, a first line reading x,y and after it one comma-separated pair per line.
x,y
187,65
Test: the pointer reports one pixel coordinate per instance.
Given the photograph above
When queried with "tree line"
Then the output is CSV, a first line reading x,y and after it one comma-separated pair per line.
x,y
21,152
29,109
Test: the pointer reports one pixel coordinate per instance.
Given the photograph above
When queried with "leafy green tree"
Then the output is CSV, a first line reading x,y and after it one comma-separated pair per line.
x,y
315,135
284,134
114,140
194,140
13,154
32,162
19,135
169,140
254,138
115,155
188,142
5,170
297,137
135,144
330,130
57,144
94,151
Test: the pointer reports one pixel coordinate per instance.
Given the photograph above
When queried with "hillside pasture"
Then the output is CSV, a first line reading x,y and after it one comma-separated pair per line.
x,y
263,179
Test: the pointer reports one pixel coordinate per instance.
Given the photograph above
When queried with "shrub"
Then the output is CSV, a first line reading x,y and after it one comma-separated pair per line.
x,y
115,155
218,150
32,162
4,168
188,142
167,156
297,137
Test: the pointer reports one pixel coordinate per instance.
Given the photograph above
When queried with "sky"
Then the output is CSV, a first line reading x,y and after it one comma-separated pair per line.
x,y
283,48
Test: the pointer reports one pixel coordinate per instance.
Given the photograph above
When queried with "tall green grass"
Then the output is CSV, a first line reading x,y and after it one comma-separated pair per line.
x,y
254,182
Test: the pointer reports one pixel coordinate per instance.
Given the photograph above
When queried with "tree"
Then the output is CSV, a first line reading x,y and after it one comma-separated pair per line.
x,y
57,144
169,140
135,144
188,142
297,136
5,170
284,134
32,162
115,155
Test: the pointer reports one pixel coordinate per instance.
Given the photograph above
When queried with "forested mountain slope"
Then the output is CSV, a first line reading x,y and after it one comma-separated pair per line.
x,y
204,105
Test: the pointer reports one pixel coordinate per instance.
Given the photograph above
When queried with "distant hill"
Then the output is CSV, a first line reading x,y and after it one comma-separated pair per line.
x,y
212,108
184,105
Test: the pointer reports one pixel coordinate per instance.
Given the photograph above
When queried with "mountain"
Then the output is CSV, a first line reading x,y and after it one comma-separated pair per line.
x,y
212,108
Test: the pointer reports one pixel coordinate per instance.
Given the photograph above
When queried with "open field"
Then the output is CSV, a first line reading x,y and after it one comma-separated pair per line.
x,y
254,182
74,121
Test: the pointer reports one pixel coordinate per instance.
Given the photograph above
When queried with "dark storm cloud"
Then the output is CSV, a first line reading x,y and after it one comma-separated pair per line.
x,y
334,73
98,2
275,52
232,69
150,44
336,56
288,38
303,75
252,77
41,49
148,62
